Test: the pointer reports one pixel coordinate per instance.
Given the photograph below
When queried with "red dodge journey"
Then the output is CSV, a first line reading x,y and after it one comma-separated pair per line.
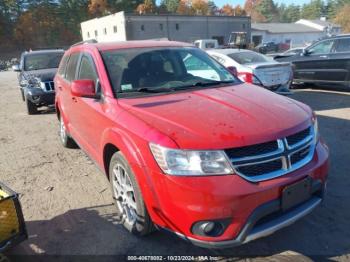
x,y
188,147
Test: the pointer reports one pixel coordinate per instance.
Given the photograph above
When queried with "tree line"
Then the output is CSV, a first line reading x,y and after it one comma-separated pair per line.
x,y
49,23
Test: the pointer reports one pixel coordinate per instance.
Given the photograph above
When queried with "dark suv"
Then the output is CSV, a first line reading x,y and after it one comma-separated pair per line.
x,y
325,62
36,72
268,47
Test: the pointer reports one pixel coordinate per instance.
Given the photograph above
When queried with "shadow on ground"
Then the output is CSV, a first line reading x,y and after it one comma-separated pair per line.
x,y
323,234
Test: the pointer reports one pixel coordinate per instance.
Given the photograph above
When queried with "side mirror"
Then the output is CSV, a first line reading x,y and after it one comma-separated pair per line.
x,y
305,52
83,88
16,68
232,70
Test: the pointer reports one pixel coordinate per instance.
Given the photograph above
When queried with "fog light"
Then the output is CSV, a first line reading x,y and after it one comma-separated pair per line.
x,y
210,228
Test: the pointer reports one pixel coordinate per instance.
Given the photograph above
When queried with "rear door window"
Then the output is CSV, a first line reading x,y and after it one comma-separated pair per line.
x,y
72,67
343,45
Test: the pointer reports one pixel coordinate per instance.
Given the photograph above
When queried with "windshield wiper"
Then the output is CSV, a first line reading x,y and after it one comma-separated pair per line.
x,y
177,88
153,90
202,84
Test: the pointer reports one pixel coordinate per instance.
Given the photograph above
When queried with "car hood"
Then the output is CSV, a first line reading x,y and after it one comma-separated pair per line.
x,y
219,118
44,74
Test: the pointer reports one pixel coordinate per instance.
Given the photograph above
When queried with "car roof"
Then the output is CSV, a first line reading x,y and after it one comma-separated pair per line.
x,y
131,44
228,51
340,36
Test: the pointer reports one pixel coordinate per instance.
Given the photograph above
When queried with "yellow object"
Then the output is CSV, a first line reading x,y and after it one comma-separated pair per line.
x,y
12,226
9,224
3,194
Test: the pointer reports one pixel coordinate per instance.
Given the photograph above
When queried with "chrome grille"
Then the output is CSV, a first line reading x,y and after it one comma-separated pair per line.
x,y
275,158
252,150
48,86
261,168
296,138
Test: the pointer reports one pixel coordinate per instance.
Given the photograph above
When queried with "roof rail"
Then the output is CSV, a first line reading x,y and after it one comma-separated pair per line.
x,y
90,41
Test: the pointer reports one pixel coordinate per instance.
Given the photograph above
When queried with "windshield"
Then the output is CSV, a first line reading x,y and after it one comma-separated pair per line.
x,y
249,57
42,61
159,70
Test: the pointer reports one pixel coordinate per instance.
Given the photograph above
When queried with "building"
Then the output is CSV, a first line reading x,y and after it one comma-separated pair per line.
x,y
126,26
300,33
322,25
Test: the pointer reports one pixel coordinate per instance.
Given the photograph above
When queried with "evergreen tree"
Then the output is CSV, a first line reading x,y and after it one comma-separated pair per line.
x,y
268,9
313,10
171,5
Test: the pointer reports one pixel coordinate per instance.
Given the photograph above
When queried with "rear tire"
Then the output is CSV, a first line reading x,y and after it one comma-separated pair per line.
x,y
128,198
31,108
65,138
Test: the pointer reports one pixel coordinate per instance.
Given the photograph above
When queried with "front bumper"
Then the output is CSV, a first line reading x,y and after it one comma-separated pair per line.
x,y
254,209
253,230
40,97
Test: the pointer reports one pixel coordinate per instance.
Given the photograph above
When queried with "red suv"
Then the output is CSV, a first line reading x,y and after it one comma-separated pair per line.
x,y
187,146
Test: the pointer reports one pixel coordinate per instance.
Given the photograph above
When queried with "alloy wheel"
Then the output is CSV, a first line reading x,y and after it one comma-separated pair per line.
x,y
124,195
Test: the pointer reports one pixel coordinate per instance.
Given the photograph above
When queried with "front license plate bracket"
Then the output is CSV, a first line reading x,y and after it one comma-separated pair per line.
x,y
296,193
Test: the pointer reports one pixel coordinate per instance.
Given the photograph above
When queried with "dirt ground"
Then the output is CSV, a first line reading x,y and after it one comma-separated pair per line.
x,y
67,201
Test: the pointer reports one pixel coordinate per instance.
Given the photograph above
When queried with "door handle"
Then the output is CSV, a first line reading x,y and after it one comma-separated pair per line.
x,y
60,88
324,56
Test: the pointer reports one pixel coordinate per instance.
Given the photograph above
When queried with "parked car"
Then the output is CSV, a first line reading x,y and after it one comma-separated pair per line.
x,y
256,68
36,72
267,47
206,43
218,162
324,62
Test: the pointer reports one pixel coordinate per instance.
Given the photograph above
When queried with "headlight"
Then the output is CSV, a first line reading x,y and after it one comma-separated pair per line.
x,y
24,82
35,82
191,163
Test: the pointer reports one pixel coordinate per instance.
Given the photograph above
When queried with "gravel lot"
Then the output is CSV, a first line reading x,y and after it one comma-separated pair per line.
x,y
68,208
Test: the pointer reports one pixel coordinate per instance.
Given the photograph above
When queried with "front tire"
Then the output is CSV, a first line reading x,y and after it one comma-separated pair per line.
x,y
128,197
66,140
31,108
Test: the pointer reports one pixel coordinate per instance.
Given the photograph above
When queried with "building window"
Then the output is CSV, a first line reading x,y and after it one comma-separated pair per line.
x,y
105,31
161,27
115,29
96,33
177,26
142,28
88,34
243,26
